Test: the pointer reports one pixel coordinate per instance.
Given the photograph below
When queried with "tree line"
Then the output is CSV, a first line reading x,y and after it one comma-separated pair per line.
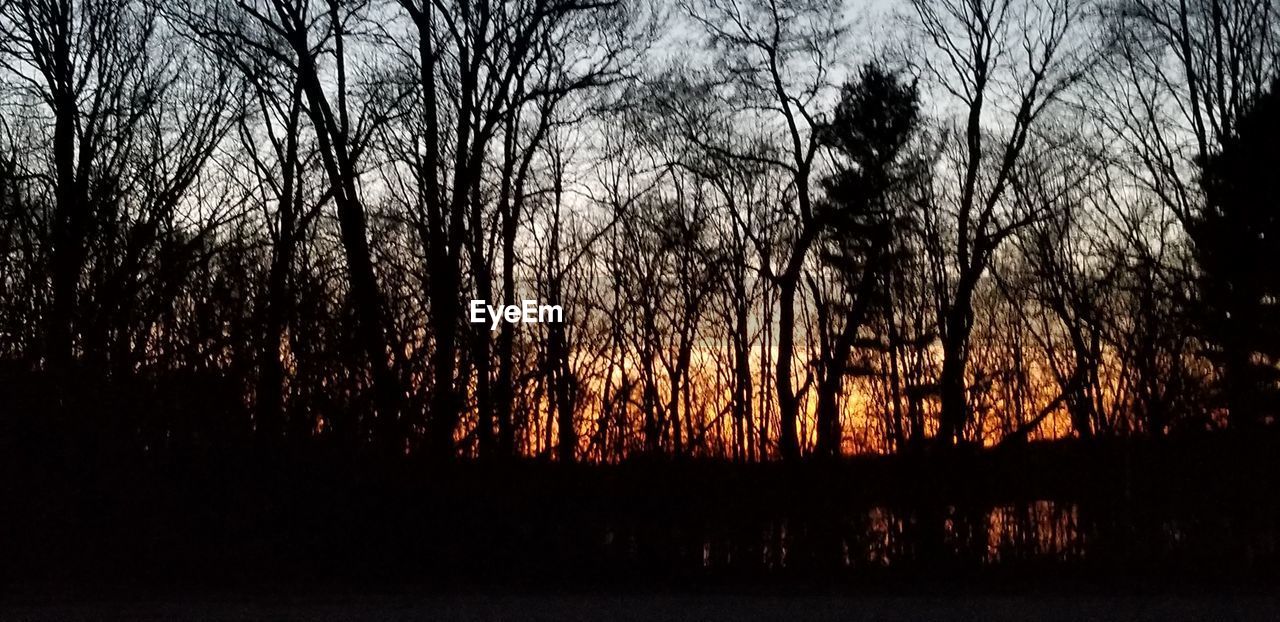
x,y
777,228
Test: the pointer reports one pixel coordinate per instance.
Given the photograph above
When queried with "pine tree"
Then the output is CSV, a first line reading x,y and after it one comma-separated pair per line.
x,y
1237,246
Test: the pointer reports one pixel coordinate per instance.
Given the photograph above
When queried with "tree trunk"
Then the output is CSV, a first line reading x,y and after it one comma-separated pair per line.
x,y
353,229
955,359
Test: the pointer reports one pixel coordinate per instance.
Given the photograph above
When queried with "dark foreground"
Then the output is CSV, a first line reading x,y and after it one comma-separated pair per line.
x,y
1184,528
623,606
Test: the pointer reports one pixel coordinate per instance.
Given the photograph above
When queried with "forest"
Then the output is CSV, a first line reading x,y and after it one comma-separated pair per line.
x,y
782,232
777,228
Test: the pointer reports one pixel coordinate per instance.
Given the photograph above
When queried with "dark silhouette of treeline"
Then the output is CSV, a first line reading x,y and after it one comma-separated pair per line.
x,y
965,283
1114,515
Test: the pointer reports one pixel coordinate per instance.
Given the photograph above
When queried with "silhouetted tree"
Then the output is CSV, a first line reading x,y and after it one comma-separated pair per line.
x,y
778,56
871,127
999,59
1237,240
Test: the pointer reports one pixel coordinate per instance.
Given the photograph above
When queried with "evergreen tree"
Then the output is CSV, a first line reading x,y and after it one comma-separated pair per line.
x,y
1237,244
870,129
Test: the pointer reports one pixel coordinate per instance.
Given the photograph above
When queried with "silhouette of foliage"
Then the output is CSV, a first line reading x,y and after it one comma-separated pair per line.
x,y
1237,237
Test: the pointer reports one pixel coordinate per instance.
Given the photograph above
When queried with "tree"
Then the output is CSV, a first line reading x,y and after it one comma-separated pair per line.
x,y
871,127
489,76
123,122
302,37
274,142
1236,239
1177,76
777,56
991,56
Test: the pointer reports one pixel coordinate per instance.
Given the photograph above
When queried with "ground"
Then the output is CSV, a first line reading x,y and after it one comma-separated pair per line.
x,y
619,607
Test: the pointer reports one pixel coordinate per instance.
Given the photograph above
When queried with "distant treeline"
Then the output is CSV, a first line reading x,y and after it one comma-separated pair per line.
x,y
777,228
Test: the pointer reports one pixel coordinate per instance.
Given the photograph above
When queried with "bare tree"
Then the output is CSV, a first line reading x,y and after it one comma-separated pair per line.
x,y
1005,62
778,56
